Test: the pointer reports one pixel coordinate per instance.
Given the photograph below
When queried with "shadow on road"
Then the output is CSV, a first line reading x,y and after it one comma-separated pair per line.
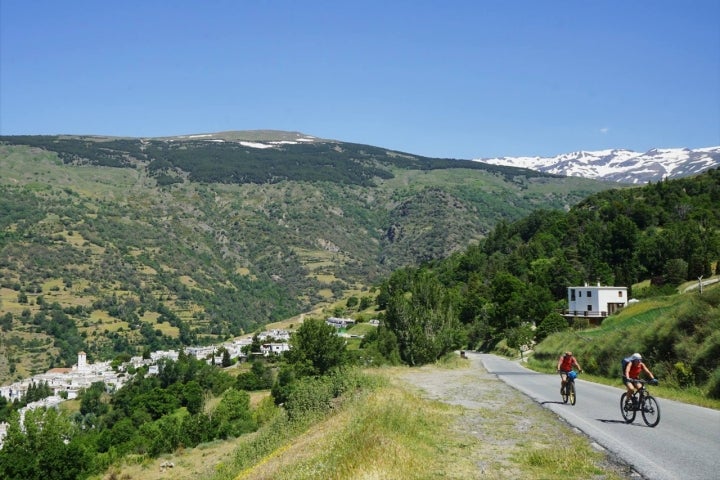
x,y
555,403
516,373
605,420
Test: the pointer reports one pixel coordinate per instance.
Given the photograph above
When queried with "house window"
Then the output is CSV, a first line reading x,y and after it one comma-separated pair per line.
x,y
572,294
589,293
579,293
620,293
589,308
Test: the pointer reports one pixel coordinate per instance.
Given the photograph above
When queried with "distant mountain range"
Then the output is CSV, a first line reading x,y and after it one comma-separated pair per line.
x,y
623,166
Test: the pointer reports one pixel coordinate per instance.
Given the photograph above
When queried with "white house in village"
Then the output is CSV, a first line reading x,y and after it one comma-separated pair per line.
x,y
267,349
340,322
595,302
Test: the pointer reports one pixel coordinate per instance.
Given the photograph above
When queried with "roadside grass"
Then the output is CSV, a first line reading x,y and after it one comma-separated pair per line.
x,y
377,437
393,432
390,430
570,458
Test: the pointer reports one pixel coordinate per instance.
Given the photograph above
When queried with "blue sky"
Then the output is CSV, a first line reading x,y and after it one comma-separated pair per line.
x,y
455,79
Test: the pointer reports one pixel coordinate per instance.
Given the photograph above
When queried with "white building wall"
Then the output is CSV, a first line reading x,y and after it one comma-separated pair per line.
x,y
595,299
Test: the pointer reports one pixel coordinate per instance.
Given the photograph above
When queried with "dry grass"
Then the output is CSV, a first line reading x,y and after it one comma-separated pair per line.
x,y
192,464
378,437
438,422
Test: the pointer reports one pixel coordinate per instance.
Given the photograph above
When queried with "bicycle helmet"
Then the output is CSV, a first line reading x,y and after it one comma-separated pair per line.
x,y
636,356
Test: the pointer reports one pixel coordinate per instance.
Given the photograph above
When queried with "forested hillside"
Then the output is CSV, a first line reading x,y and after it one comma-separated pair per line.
x,y
120,245
663,234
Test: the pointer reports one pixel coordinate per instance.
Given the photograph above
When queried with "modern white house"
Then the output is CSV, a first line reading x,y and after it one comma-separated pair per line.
x,y
595,302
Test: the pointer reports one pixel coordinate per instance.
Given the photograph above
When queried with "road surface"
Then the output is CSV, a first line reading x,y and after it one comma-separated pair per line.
x,y
684,446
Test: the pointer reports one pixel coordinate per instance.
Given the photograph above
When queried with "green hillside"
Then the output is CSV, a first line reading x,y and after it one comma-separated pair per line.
x,y
112,245
652,239
678,334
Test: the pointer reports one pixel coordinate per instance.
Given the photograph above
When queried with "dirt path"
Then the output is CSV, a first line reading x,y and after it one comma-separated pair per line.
x,y
504,421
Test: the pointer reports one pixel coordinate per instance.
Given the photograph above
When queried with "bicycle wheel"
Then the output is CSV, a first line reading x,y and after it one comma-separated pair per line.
x,y
571,392
564,392
626,408
650,411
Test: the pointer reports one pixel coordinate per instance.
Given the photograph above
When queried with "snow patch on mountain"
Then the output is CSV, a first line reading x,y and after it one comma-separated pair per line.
x,y
624,166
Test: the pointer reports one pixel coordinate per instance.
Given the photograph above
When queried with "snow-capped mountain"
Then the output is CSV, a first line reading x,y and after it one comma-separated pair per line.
x,y
623,166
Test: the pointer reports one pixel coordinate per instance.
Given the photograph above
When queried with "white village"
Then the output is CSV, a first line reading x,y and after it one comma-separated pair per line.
x,y
67,383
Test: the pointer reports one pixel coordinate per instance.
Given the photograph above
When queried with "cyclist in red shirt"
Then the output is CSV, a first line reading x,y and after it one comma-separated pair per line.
x,y
632,372
564,366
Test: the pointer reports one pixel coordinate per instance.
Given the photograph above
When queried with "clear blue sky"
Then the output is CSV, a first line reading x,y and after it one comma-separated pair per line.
x,y
457,79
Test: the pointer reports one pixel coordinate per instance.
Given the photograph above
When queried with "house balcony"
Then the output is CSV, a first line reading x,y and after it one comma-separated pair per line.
x,y
584,314
594,317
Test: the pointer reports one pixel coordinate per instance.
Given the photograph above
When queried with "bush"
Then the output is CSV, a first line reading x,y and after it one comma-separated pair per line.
x,y
310,396
684,375
265,411
580,323
553,322
714,385
707,358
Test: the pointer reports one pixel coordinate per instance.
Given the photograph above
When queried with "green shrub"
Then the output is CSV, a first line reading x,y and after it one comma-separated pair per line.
x,y
590,365
692,315
580,323
265,411
553,322
313,396
309,397
684,375
714,385
707,358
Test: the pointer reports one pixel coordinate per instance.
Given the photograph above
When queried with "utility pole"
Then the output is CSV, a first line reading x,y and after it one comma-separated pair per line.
x,y
700,283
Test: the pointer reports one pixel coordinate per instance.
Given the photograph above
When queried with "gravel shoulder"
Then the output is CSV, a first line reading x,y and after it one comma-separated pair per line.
x,y
505,422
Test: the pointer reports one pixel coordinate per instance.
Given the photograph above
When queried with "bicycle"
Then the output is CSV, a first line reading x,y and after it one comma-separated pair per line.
x,y
568,391
641,401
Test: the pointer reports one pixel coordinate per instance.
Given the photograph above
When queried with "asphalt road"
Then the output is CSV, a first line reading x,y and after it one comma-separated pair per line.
x,y
684,446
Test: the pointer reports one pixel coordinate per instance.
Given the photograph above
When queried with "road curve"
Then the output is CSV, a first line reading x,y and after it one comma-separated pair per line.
x,y
684,446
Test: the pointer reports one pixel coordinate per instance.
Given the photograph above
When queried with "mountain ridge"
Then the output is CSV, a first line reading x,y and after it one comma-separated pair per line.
x,y
133,243
620,165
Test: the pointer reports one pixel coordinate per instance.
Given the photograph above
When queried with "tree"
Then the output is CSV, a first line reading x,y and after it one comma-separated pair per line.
x,y
508,295
91,400
553,322
676,271
226,361
519,337
43,448
258,378
424,320
233,416
193,397
365,303
380,346
6,322
315,348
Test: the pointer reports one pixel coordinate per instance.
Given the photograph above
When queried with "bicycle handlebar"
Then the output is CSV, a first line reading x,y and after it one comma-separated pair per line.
x,y
653,381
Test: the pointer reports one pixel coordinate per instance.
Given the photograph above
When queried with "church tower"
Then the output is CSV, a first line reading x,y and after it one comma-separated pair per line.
x,y
82,362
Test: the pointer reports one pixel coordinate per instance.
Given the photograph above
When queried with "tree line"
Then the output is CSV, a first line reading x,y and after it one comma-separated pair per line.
x,y
516,278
